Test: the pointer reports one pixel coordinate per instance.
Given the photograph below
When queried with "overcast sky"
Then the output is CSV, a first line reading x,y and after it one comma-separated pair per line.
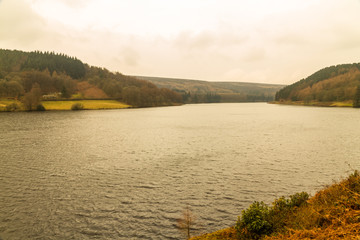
x,y
269,41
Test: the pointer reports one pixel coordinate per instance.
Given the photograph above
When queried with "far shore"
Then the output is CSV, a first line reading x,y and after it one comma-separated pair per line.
x,y
66,105
315,103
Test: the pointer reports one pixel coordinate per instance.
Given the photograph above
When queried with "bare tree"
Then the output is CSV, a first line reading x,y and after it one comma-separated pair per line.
x,y
186,222
32,99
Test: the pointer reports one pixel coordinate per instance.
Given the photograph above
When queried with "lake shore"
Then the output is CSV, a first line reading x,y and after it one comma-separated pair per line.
x,y
332,213
66,105
315,103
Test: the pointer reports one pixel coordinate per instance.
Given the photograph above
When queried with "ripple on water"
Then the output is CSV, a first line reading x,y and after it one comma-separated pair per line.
x,y
130,174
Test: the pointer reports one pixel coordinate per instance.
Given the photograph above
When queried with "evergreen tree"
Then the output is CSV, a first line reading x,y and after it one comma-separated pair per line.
x,y
65,93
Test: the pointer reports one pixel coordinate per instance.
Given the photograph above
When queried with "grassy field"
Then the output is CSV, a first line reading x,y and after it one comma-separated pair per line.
x,y
66,105
316,104
88,104
5,102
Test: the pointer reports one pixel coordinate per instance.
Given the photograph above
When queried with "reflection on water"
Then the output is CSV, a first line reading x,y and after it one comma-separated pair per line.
x,y
128,174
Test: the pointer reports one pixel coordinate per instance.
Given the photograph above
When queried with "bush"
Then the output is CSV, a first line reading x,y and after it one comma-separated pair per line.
x,y
298,199
40,107
260,219
12,107
353,182
77,106
254,221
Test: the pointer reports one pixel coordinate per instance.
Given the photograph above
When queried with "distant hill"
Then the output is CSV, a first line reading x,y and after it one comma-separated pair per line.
x,y
329,86
196,91
22,74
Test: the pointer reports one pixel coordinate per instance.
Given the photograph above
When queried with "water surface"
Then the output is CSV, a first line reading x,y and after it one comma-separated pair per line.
x,y
128,174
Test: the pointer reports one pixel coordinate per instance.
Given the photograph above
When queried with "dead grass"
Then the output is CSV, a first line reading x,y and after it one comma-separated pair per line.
x,y
228,233
333,213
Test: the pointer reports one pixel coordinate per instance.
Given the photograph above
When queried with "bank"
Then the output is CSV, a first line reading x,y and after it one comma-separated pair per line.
x,y
315,103
332,213
64,105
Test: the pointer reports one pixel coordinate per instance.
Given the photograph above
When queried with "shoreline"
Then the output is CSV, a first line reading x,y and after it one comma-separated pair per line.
x,y
314,103
333,212
65,105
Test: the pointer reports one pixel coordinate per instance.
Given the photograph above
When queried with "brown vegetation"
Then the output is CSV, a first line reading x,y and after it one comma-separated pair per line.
x,y
88,90
332,84
61,77
186,222
333,213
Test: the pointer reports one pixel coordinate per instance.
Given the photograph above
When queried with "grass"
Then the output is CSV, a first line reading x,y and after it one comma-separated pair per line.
x,y
227,233
333,213
316,103
88,104
5,102
66,105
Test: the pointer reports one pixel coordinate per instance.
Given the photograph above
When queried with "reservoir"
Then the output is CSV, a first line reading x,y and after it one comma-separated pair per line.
x,y
129,173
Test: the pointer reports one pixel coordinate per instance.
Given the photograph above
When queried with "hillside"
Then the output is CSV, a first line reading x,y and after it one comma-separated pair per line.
x,y
335,85
333,213
32,77
195,91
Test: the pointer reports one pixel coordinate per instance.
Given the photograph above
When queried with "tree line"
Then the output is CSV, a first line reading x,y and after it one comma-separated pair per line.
x,y
48,72
335,83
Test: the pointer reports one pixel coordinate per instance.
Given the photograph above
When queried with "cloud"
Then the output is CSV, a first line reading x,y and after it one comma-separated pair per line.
x,y
19,24
68,3
208,39
278,41
75,3
130,56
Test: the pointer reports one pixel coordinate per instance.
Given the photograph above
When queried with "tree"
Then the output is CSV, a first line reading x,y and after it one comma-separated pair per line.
x,y
356,103
186,222
65,93
32,99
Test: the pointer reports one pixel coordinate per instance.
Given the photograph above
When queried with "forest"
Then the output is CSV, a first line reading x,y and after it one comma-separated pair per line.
x,y
35,76
338,83
198,91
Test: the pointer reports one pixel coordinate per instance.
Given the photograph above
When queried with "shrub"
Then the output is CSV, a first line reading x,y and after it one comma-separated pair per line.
x,y
260,219
40,107
298,199
77,106
12,107
254,221
283,209
354,182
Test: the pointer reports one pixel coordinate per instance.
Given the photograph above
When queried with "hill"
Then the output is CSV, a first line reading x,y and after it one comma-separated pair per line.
x,y
37,76
333,213
335,85
197,91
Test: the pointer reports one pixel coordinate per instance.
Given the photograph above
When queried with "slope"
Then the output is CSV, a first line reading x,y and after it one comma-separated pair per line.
x,y
333,85
333,213
63,77
194,91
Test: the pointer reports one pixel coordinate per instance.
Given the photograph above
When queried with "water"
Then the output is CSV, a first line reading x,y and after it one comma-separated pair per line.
x,y
129,174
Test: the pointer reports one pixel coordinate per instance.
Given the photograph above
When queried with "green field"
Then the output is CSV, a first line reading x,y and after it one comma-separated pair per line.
x,y
88,104
66,105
